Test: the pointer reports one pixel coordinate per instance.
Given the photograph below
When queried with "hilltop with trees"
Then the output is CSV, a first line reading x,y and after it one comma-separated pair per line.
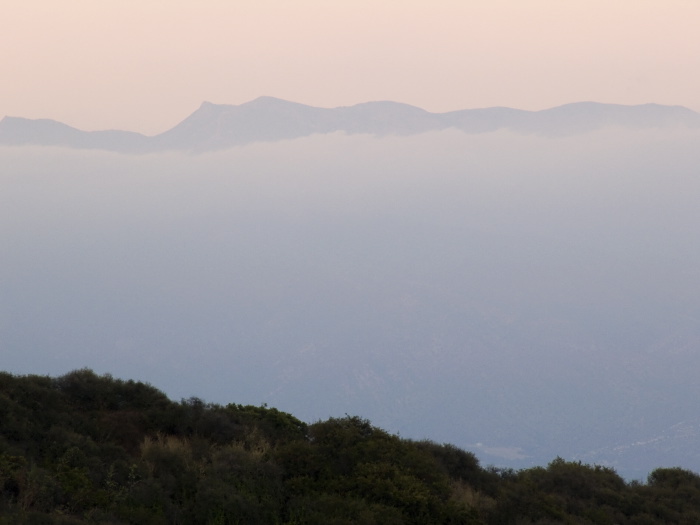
x,y
84,448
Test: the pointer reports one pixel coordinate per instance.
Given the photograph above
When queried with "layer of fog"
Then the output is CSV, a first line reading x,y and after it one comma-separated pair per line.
x,y
519,296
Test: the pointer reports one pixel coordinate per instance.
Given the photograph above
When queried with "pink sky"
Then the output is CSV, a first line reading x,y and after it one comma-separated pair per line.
x,y
144,65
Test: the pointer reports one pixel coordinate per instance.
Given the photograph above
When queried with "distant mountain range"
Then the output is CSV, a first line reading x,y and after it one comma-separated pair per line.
x,y
266,119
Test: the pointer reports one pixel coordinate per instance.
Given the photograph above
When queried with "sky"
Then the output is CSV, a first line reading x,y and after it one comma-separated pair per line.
x,y
144,65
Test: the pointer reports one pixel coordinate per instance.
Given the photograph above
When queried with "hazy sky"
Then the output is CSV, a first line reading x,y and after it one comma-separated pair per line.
x,y
144,65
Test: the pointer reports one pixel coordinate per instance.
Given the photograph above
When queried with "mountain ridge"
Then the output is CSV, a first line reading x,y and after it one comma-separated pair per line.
x,y
268,119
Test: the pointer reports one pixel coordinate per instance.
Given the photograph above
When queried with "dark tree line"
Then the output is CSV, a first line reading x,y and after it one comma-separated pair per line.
x,y
84,448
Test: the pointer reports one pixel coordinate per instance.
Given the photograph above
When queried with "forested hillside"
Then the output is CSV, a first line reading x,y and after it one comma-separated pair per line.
x,y
84,448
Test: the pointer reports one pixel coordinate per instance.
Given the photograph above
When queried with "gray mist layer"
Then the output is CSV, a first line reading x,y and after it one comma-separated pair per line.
x,y
519,296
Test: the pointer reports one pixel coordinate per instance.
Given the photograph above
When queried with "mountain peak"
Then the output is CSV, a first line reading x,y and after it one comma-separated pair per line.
x,y
264,119
272,102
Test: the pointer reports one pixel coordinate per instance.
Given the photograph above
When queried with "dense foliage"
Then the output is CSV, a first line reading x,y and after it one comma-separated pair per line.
x,y
84,448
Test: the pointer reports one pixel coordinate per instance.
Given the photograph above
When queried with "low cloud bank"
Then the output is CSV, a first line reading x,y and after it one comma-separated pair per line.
x,y
532,294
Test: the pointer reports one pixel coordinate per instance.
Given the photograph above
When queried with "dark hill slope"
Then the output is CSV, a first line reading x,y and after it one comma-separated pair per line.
x,y
84,448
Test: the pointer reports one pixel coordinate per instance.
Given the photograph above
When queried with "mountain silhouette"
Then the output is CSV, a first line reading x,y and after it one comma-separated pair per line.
x,y
267,119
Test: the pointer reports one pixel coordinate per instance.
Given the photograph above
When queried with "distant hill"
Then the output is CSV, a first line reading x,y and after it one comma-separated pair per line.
x,y
266,119
16,131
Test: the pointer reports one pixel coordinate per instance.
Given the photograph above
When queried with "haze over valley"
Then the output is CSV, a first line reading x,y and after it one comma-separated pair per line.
x,y
524,285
